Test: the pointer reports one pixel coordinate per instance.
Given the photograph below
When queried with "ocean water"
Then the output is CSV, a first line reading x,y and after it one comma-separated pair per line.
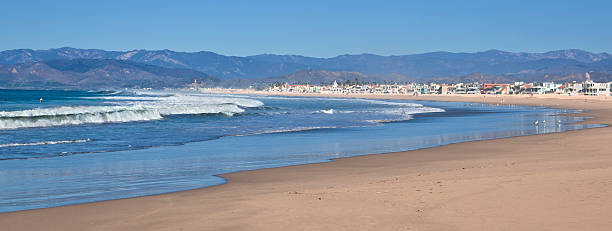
x,y
76,147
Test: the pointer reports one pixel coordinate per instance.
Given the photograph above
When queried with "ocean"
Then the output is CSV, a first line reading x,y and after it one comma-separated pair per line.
x,y
67,147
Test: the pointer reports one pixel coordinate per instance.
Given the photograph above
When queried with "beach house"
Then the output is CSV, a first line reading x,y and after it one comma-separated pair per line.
x,y
596,89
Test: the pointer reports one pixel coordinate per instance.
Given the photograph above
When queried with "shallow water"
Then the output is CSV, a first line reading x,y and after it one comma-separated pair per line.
x,y
80,147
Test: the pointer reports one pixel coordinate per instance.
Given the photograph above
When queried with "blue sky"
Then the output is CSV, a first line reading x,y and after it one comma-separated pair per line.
x,y
312,28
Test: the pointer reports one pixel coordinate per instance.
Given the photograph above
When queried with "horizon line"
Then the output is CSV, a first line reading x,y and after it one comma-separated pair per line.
x,y
286,54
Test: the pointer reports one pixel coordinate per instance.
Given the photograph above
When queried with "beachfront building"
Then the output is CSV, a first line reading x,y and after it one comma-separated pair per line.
x,y
467,88
585,88
516,88
473,88
551,87
417,89
295,88
446,89
541,88
596,89
495,89
573,88
460,88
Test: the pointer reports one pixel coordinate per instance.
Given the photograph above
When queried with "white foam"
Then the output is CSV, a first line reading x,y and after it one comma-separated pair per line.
x,y
65,110
403,104
411,110
125,109
297,129
188,99
344,99
328,111
44,143
406,118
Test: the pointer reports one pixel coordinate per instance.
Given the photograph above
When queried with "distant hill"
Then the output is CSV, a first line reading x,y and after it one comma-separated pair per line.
x,y
306,77
427,65
207,62
322,76
96,74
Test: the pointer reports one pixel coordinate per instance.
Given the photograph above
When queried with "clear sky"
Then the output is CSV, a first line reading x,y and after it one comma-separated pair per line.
x,y
308,27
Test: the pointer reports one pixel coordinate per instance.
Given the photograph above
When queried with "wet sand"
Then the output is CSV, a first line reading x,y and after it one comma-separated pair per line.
x,y
558,181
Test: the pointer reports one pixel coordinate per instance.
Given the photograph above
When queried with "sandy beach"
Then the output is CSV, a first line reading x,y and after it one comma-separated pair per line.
x,y
559,181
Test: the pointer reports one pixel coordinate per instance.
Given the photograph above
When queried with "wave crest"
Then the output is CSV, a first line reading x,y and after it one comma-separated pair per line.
x,y
125,109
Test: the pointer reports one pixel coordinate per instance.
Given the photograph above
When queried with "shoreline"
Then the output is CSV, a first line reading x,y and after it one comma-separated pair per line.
x,y
284,177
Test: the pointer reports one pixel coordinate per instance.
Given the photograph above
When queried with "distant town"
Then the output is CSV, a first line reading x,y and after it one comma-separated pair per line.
x,y
587,87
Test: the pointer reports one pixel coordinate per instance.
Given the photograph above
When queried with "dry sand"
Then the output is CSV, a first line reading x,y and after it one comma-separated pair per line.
x,y
560,181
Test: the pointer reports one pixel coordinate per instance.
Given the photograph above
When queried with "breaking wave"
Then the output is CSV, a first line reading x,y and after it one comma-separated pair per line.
x,y
125,109
328,111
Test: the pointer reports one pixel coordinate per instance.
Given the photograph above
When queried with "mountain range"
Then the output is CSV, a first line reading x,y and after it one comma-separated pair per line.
x,y
42,68
96,74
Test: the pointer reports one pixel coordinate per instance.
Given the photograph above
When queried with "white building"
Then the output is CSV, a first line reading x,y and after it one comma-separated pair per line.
x,y
591,88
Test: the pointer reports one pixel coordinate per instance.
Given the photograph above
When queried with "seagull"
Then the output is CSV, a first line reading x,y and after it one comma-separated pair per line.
x,y
536,123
